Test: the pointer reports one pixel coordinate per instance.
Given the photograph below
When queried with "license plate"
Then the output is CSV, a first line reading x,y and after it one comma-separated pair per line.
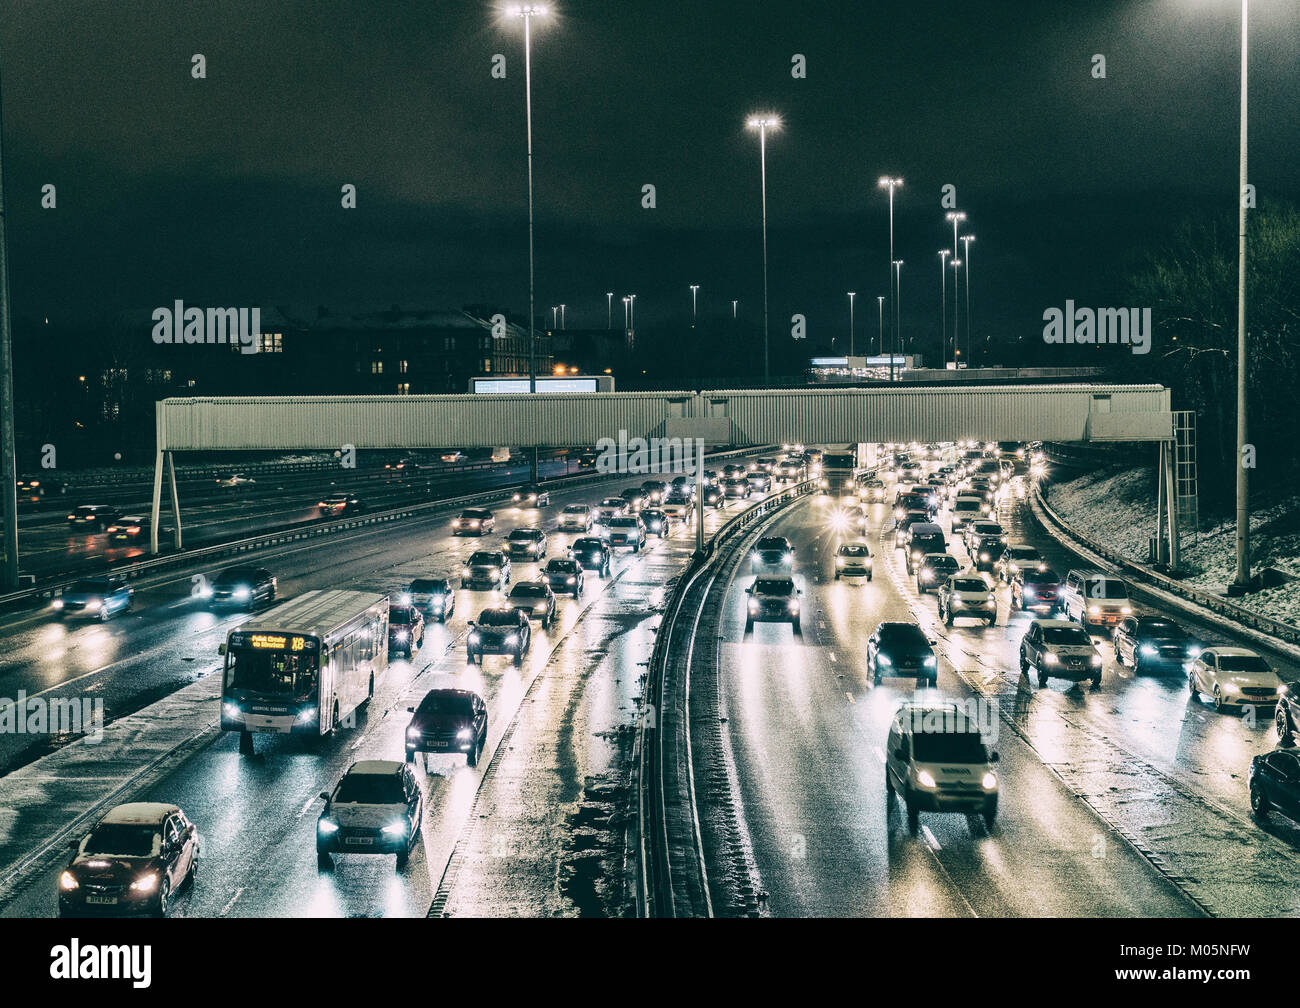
x,y
102,900
360,841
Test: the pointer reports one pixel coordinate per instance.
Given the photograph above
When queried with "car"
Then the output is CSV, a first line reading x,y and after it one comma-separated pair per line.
x,y
733,469
967,595
1274,784
535,599
936,761
760,481
98,516
773,600
1092,598
1149,642
1037,590
94,598
902,526
1014,557
684,485
772,555
340,504
131,863
592,553
235,480
504,630
1058,649
655,491
911,500
448,721
588,459
713,496
626,531
453,457
735,487
850,519
34,489
979,530
474,521
128,529
1287,714
434,596
242,587
657,522
679,509
853,559
765,465
636,499
577,518
486,569
611,507
986,552
526,543
1234,677
901,650
871,488
788,471
530,495
966,509
933,569
403,466
565,577
376,808
922,539
405,629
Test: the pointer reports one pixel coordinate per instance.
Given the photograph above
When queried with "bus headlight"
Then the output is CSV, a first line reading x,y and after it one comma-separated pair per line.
x,y
231,710
307,715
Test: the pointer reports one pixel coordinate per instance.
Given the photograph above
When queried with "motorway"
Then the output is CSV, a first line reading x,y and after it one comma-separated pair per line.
x,y
1128,800
571,704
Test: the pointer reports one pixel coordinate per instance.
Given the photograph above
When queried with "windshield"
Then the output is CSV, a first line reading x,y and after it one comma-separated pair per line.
x,y
949,747
235,576
272,673
854,551
944,562
773,586
428,587
94,587
122,840
622,522
903,635
498,618
576,509
401,615
1159,628
476,515
839,461
483,557
1243,663
562,566
1072,636
966,505
1046,577
527,591
970,585
447,703
1107,588
370,789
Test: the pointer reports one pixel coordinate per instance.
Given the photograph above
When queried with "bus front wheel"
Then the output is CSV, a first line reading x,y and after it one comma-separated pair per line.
x,y
246,743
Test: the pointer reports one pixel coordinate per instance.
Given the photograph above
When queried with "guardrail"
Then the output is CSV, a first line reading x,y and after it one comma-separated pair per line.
x,y
655,869
205,553
1215,603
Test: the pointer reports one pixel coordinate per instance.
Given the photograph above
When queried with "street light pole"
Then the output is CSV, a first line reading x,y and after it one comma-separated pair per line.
x,y
956,349
631,301
1243,484
892,184
943,304
609,309
627,325
555,314
965,255
561,316
881,321
852,294
898,314
763,124
8,453
733,308
694,289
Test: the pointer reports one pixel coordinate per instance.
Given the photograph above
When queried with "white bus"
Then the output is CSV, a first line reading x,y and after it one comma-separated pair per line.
x,y
304,667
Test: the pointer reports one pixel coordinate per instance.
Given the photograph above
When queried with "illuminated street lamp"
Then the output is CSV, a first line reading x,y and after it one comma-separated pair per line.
x,y
956,265
609,309
852,295
763,123
943,303
956,216
694,290
886,182
965,242
898,318
881,321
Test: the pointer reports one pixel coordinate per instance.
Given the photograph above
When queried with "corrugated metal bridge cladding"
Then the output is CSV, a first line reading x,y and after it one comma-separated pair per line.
x,y
742,417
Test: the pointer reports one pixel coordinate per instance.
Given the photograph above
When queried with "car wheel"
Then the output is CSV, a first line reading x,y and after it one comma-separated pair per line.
x,y
519,659
469,657
990,815
837,575
889,784
471,757
1137,663
410,755
1258,803
868,575
1042,680
947,618
913,816
993,621
1191,686
749,626
164,896
1219,705
798,629
402,858
1283,721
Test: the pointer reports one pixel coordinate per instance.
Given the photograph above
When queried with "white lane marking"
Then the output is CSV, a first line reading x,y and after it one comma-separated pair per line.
x,y
850,696
879,753
929,839
831,655
226,909
310,802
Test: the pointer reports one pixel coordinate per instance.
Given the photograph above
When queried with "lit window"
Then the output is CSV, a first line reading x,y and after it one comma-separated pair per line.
x,y
404,388
377,367
403,366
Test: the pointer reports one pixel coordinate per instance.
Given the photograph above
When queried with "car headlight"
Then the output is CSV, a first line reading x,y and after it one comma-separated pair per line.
x,y
883,660
436,603
396,828
1095,660
1093,610
57,603
413,733
307,715
984,556
1147,649
404,599
929,662
1126,610
794,606
464,734
1051,658
68,881
455,523
927,575
146,883
512,639
1231,687
242,593
401,635
474,523
572,580
753,605
990,781
474,637
496,575
839,561
94,604
925,779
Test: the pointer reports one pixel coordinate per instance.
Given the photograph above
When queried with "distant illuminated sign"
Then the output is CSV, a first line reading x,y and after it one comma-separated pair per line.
x,y
495,386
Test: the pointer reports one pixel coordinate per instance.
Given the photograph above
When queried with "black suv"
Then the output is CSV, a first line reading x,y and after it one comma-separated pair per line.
x,y
486,569
448,721
503,631
1147,642
773,600
243,587
901,650
565,577
593,554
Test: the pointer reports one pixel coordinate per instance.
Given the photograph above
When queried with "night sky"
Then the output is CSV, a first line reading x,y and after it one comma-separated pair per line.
x,y
226,190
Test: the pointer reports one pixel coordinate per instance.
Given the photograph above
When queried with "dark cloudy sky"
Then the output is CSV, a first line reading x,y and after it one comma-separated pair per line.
x,y
226,190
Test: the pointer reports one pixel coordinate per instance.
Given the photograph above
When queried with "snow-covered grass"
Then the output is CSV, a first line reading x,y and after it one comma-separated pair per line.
x,y
1117,507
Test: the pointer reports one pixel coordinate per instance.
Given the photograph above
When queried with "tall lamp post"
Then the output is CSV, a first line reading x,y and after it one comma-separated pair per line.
x,y
891,184
733,308
763,123
852,295
694,290
562,316
956,350
627,325
631,303
609,309
1242,579
965,255
898,315
943,304
8,451
880,298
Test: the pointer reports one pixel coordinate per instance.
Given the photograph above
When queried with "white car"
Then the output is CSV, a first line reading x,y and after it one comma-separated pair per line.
x,y
853,559
236,480
1234,677
1090,597
577,518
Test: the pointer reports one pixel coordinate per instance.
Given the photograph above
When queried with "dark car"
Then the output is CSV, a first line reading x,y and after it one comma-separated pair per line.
x,y
377,808
988,550
1057,649
33,489
772,555
243,587
655,491
128,529
903,526
530,495
405,629
913,500
1148,642
773,600
503,631
934,569
1287,712
486,569
901,650
636,499
131,863
99,598
1275,784
565,577
592,554
923,538
656,522
340,504
434,595
473,521
535,599
98,516
448,721
1039,590
527,543
1016,556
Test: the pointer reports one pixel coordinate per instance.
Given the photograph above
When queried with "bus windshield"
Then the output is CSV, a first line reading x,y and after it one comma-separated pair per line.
x,y
273,673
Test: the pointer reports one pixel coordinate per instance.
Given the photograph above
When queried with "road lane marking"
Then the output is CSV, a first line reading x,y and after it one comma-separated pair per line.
x,y
931,842
850,696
